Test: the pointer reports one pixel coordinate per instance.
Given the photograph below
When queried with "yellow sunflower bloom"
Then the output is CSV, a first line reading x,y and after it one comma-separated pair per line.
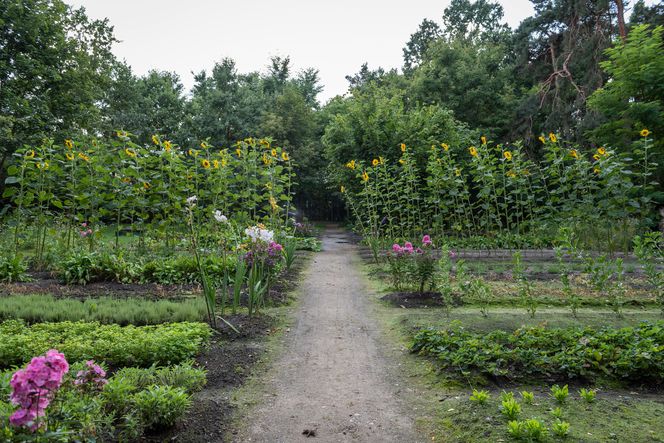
x,y
574,153
30,154
238,151
365,176
146,185
69,144
601,151
351,164
483,140
457,172
342,189
168,146
204,145
644,132
445,147
83,157
70,156
403,147
511,173
507,155
155,139
473,151
130,152
205,163
596,170
375,162
284,156
215,164
273,153
402,161
224,162
553,137
121,134
542,139
596,156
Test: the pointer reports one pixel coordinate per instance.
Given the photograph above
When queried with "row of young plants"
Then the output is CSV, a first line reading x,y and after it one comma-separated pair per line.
x,y
82,186
105,310
534,429
628,355
421,267
497,191
56,400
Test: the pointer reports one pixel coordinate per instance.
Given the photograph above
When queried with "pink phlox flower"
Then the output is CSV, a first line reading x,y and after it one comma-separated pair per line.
x,y
426,240
408,247
396,248
419,251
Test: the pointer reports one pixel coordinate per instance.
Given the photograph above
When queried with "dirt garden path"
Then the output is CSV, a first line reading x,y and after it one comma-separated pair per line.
x,y
331,379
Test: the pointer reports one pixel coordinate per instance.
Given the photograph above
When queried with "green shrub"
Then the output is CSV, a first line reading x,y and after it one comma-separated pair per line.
x,y
161,406
13,270
630,354
116,345
46,308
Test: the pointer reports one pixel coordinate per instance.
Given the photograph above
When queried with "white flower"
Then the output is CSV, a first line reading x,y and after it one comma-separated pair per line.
x,y
258,234
221,218
191,201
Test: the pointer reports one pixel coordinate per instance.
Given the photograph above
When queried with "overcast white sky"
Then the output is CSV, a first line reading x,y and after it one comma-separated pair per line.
x,y
334,36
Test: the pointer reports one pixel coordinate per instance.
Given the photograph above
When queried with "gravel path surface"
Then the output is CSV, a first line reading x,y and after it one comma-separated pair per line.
x,y
331,384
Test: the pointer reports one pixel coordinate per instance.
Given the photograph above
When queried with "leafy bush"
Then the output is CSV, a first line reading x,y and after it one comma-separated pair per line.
x,y
116,345
83,267
629,354
13,270
138,312
161,406
479,397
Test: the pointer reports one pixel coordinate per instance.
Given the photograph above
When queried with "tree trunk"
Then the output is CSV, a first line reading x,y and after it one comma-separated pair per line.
x,y
620,6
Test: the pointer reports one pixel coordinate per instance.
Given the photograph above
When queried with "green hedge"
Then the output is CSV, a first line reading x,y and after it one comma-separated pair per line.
x,y
629,354
118,346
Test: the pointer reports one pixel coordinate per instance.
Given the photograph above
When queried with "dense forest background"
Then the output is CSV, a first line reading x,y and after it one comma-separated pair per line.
x,y
590,71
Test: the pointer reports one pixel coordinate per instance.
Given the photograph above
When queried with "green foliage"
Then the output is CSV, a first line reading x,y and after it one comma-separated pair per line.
x,y
561,428
118,346
528,397
630,354
480,397
161,406
106,310
510,408
13,270
648,249
588,395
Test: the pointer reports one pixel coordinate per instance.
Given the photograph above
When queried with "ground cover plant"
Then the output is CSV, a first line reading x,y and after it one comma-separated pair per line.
x,y
115,345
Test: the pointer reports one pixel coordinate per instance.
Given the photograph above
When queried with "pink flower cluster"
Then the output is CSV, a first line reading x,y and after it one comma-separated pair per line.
x,y
33,388
408,249
86,231
94,376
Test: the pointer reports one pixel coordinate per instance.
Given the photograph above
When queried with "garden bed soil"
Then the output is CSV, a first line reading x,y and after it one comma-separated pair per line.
x,y
416,299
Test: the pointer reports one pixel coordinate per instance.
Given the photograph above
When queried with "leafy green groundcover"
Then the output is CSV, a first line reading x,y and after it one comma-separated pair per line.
x,y
132,402
628,354
118,346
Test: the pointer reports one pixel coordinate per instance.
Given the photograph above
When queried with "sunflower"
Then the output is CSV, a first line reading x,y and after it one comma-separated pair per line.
x,y
146,185
44,165
644,132
403,147
574,153
204,145
601,151
30,154
224,162
365,176
121,134
266,159
69,144
457,172
375,162
168,146
126,180
511,173
507,155
402,161
155,139
83,157
483,140
70,156
596,170
342,189
473,151
542,139
381,160
273,153
192,152
351,164
205,163
215,164
284,156
238,151
130,152
596,157
553,137
445,147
